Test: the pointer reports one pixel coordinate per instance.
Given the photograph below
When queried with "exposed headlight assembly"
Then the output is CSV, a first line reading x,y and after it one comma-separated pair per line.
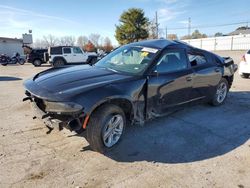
x,y
62,107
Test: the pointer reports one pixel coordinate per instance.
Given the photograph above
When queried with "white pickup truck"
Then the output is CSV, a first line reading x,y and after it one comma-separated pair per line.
x,y
67,55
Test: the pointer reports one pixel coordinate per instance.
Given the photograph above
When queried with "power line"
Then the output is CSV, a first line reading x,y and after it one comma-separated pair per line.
x,y
207,26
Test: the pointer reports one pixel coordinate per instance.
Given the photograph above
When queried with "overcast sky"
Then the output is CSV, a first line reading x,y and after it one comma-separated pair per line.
x,y
82,17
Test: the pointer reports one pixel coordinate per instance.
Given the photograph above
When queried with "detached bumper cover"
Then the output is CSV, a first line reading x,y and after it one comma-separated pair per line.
x,y
59,120
48,120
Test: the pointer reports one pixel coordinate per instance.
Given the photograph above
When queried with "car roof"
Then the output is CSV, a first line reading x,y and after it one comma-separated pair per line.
x,y
63,46
38,49
155,43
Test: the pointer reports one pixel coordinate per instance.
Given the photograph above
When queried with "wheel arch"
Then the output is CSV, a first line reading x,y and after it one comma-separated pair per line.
x,y
229,80
56,58
123,102
37,58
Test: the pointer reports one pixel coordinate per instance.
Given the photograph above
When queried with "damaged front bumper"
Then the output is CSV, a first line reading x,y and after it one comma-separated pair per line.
x,y
57,114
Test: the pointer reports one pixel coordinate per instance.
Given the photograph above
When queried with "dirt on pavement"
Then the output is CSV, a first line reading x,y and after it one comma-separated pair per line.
x,y
201,146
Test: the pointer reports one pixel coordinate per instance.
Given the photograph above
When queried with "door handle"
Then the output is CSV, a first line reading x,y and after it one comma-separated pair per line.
x,y
217,70
65,55
189,78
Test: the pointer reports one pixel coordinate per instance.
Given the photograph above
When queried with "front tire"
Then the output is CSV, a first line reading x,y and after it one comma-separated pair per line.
x,y
106,127
58,63
221,93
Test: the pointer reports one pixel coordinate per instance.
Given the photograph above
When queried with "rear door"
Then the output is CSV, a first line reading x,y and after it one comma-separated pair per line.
x,y
41,54
171,83
67,54
207,74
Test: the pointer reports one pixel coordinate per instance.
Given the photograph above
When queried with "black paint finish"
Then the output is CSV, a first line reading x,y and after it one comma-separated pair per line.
x,y
141,96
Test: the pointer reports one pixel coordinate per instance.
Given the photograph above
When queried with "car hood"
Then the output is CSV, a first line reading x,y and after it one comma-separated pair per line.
x,y
71,81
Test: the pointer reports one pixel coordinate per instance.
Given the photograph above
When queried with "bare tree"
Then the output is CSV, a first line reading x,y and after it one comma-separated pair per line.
x,y
82,41
152,30
50,40
172,36
39,44
107,44
95,38
67,41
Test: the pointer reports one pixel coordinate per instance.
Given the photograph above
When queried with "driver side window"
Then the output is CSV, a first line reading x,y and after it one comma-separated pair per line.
x,y
77,50
172,60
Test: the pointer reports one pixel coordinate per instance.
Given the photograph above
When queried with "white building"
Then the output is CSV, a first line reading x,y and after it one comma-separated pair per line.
x,y
10,46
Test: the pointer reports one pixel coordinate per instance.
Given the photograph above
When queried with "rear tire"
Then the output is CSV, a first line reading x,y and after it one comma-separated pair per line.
x,y
93,61
21,61
106,128
244,75
4,61
37,63
221,93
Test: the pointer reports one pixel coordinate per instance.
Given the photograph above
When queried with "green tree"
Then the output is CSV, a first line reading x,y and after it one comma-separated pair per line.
x,y
197,35
218,34
133,26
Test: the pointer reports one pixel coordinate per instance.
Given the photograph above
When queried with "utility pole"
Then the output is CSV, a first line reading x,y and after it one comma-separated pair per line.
x,y
166,33
189,27
157,25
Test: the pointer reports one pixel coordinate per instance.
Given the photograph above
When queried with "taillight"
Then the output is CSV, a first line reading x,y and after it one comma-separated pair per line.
x,y
243,58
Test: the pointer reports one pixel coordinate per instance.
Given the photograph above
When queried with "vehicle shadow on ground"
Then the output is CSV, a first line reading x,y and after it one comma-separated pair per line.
x,y
194,134
9,78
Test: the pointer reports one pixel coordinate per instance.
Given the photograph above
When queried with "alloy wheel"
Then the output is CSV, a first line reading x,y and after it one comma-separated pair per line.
x,y
221,92
113,130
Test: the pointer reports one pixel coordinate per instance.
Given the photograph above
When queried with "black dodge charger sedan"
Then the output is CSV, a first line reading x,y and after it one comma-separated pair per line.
x,y
131,85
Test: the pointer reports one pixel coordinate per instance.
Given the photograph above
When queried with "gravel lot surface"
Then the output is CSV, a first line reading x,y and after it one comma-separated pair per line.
x,y
201,146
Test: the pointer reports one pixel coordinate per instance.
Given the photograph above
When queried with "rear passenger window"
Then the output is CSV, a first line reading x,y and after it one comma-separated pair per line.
x,y
66,50
55,50
196,59
248,52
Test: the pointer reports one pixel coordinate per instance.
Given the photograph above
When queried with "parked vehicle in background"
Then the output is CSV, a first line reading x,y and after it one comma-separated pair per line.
x,y
16,58
69,55
135,83
244,68
36,57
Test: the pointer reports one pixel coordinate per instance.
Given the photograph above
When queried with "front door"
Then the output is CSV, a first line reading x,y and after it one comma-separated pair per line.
x,y
171,83
78,55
